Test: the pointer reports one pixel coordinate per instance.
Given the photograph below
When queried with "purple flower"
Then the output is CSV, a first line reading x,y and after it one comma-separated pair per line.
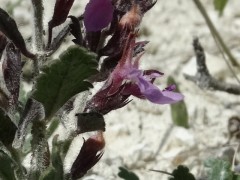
x,y
137,82
127,79
98,14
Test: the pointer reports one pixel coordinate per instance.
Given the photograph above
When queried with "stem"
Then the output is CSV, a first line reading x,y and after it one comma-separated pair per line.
x,y
215,33
49,35
160,171
38,43
38,25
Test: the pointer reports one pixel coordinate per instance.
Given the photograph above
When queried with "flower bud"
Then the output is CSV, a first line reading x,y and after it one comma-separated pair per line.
x,y
89,155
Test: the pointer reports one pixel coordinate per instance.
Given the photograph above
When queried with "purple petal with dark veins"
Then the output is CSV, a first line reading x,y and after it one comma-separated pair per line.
x,y
98,14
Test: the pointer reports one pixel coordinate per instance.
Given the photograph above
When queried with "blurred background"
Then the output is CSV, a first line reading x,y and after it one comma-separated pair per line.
x,y
142,136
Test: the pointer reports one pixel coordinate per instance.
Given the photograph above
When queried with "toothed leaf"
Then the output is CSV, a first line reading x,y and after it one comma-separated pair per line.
x,y
64,79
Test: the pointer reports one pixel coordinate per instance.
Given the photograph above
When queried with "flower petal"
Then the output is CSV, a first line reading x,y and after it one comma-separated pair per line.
x,y
98,14
175,97
90,153
153,94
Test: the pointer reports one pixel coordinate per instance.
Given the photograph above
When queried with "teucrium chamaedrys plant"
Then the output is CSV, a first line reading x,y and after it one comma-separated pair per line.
x,y
58,82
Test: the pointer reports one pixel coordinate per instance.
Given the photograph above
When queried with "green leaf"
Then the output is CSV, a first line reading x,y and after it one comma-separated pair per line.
x,y
59,151
49,174
182,173
219,169
33,111
7,129
65,145
6,167
53,126
57,160
236,177
26,148
179,110
64,79
220,5
127,175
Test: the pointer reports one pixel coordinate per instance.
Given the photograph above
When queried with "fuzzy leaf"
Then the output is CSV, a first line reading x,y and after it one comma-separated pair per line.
x,y
182,173
219,169
40,150
7,129
33,111
9,27
179,110
6,167
12,71
220,5
64,79
127,175
92,121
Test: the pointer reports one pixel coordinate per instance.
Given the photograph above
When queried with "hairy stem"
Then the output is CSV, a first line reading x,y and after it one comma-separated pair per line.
x,y
38,43
38,25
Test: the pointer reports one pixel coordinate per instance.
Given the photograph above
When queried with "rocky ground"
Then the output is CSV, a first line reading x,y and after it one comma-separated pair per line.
x,y
141,136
